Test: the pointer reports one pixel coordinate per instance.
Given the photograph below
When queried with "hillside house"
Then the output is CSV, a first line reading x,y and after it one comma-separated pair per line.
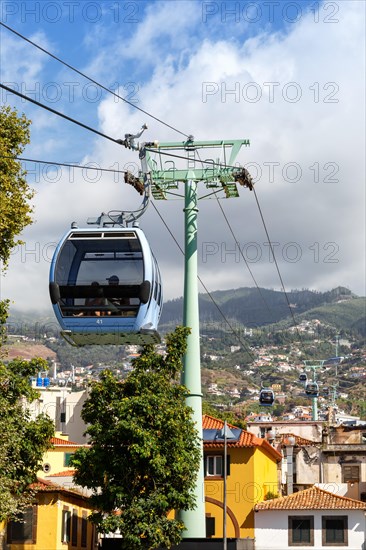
x,y
56,461
343,458
312,518
64,407
57,520
252,472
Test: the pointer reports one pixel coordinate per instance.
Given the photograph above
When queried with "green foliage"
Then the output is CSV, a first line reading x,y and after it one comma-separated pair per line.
x,y
270,495
4,305
145,454
14,191
230,416
23,441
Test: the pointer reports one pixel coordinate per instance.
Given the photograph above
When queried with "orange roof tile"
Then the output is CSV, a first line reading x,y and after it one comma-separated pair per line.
x,y
246,439
298,440
46,486
311,499
58,441
66,473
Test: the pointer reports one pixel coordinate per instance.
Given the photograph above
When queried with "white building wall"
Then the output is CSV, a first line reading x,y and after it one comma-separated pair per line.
x,y
306,429
53,401
271,529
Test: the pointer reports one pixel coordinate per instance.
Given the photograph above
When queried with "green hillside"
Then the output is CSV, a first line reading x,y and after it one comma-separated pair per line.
x,y
246,306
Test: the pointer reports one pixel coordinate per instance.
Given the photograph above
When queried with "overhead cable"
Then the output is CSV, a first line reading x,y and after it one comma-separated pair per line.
x,y
67,165
207,291
277,268
91,79
59,114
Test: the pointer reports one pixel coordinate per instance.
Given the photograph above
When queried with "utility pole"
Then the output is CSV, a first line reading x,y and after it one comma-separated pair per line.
x,y
220,176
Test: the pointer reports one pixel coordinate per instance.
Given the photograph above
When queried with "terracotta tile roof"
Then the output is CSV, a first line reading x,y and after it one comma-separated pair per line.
x,y
65,473
311,499
46,486
301,441
58,441
246,439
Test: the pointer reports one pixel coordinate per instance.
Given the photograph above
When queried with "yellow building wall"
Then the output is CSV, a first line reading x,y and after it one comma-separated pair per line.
x,y
266,470
49,523
55,458
252,472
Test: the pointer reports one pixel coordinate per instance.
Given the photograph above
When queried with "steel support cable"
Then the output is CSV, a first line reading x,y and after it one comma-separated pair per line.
x,y
91,79
240,251
204,286
118,141
59,114
67,165
242,255
277,268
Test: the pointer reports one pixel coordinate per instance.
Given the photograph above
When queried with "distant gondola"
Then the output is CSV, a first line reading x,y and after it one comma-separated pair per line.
x,y
105,287
266,397
303,377
312,389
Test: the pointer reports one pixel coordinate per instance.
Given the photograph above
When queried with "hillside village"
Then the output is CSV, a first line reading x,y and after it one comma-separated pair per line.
x,y
293,461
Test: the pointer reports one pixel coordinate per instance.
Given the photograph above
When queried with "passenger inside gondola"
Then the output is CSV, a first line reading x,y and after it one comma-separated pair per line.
x,y
95,301
113,302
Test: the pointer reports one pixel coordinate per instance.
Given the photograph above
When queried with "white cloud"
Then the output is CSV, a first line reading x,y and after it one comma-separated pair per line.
x,y
318,221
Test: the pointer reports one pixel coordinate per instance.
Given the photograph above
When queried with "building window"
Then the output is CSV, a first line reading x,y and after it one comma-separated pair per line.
x,y
67,458
350,473
66,526
24,530
210,526
335,530
301,531
46,468
214,465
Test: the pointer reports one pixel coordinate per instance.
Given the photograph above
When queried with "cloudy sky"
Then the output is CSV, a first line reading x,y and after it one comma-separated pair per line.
x,y
288,76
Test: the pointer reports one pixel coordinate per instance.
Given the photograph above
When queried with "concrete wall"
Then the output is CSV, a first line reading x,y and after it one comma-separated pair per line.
x,y
307,430
307,465
332,471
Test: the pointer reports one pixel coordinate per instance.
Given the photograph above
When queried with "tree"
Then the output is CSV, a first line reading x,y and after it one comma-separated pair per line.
x,y
144,453
22,441
15,192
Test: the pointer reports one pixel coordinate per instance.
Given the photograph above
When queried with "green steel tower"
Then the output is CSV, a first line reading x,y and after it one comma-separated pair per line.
x,y
220,176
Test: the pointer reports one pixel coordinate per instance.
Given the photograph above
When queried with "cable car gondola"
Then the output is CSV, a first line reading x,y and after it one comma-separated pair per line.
x,y
266,397
312,389
303,377
105,287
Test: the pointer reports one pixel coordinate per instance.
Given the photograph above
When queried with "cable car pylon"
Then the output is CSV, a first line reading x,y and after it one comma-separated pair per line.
x,y
219,176
311,388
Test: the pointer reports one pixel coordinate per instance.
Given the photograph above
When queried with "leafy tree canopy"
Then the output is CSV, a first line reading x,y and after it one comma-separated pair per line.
x,y
15,192
144,453
23,441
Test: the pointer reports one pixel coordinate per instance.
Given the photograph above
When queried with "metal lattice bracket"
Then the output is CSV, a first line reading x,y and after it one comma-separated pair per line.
x,y
215,174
